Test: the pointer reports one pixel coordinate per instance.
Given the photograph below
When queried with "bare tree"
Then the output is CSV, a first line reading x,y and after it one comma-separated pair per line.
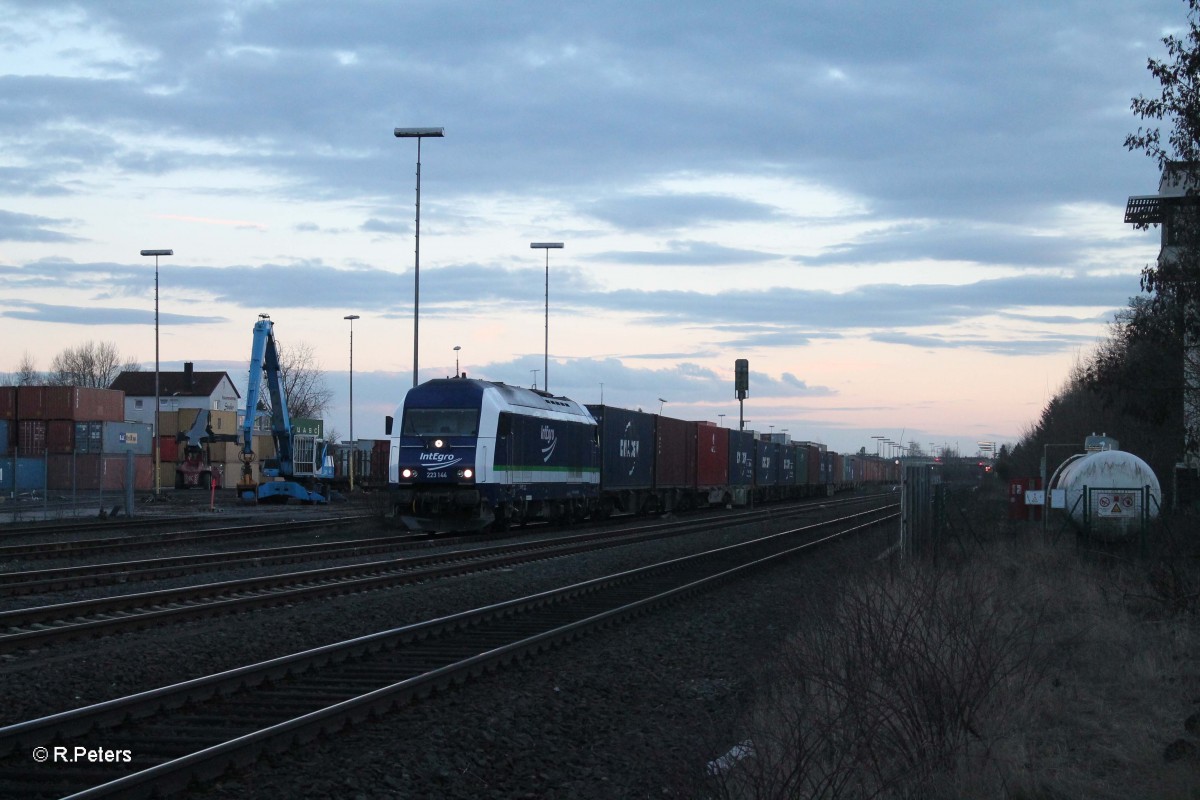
x,y
27,373
302,381
94,364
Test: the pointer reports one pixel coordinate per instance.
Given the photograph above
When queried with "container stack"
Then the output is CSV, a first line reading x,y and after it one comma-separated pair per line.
x,y
224,457
71,438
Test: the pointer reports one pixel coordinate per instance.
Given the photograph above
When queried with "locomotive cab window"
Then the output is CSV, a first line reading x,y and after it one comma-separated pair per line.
x,y
441,422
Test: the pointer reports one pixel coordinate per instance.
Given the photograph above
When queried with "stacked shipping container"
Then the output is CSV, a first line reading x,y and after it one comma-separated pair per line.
x,y
70,437
224,457
653,462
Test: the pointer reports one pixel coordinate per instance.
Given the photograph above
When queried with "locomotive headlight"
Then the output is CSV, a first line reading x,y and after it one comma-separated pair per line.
x,y
439,444
406,473
467,473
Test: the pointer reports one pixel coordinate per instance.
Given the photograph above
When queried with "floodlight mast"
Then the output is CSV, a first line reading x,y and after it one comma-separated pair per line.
x,y
351,318
418,134
547,246
157,402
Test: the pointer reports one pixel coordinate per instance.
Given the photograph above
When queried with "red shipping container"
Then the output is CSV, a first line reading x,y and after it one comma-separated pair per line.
x,y
90,472
115,470
31,437
675,455
79,471
712,455
814,464
60,436
8,402
83,403
168,449
31,402
380,460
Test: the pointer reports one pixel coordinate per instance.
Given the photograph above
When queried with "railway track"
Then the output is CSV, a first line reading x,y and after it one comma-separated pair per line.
x,y
77,549
161,740
62,578
80,576
30,628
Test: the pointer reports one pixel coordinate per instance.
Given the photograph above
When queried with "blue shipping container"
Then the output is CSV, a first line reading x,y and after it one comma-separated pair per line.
x,y
766,464
23,474
627,440
741,458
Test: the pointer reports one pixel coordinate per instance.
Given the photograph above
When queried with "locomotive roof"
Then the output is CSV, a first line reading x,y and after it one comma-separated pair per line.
x,y
450,390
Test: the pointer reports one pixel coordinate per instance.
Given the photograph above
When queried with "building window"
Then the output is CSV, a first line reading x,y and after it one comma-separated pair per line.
x,y
137,404
1181,225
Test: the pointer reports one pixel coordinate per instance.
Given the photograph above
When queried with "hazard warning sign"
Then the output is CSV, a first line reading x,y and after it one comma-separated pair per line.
x,y
1116,504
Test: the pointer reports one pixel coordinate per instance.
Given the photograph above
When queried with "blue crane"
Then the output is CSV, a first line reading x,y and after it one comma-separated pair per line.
x,y
295,455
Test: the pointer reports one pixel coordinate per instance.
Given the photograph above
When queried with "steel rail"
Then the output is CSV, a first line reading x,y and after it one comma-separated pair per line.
x,y
40,625
70,577
653,585
59,578
70,548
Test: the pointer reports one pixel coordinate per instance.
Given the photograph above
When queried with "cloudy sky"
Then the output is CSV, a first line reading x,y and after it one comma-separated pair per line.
x,y
907,216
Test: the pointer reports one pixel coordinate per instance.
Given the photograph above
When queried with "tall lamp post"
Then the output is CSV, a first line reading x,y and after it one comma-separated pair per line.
x,y
661,403
157,430
352,317
547,246
418,134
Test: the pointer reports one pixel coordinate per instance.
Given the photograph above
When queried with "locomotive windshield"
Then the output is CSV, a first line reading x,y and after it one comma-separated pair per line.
x,y
441,422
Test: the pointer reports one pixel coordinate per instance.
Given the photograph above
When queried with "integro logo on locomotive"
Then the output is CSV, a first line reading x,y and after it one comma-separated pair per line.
x,y
550,442
439,460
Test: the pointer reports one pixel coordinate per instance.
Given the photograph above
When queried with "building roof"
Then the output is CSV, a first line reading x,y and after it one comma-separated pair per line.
x,y
188,383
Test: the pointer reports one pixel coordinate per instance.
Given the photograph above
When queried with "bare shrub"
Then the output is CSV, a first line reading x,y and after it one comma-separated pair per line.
x,y
891,688
1169,572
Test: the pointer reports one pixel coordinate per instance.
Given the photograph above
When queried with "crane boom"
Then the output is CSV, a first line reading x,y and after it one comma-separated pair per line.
x,y
264,363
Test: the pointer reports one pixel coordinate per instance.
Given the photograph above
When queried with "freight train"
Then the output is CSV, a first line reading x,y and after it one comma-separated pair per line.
x,y
466,454
370,470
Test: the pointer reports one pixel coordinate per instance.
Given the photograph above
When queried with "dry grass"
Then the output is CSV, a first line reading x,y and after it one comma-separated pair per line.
x,y
1025,667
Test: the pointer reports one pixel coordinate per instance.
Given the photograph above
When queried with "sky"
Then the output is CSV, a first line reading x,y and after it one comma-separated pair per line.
x,y
908,217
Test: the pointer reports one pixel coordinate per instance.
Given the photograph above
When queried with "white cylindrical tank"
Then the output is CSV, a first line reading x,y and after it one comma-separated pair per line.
x,y
1122,490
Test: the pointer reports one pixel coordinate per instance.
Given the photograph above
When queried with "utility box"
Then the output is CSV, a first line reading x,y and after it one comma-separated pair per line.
x,y
1018,506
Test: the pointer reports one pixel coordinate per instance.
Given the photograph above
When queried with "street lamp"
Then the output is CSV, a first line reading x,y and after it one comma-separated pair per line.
x,y
456,349
535,372
721,417
351,317
660,405
547,246
157,430
418,134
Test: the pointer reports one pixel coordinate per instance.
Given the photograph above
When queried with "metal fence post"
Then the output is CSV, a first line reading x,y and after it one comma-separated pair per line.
x,y
129,483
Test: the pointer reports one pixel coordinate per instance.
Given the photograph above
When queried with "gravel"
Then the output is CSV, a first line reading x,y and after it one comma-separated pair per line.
x,y
633,712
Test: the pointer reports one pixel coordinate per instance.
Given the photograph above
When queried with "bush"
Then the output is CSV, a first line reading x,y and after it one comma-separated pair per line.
x,y
896,685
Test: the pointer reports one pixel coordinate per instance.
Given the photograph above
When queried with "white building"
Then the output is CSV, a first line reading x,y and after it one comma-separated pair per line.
x,y
176,390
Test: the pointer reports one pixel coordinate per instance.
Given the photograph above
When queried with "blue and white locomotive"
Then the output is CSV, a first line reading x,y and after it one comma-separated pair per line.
x,y
470,453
